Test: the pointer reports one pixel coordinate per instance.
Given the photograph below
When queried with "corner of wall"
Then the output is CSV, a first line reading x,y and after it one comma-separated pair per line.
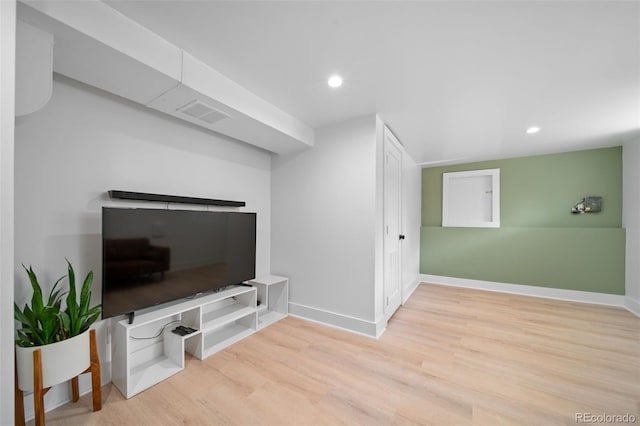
x,y
336,320
409,289
7,129
631,221
633,305
34,68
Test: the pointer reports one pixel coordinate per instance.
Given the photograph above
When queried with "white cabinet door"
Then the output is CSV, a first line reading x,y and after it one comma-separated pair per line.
x,y
392,223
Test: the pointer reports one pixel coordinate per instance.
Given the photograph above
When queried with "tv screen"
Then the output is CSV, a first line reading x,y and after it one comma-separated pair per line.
x,y
153,256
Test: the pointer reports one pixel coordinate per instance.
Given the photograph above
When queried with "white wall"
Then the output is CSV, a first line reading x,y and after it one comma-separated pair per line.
x,y
85,142
323,204
411,222
631,221
7,96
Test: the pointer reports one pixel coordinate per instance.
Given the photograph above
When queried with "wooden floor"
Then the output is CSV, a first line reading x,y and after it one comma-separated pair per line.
x,y
450,356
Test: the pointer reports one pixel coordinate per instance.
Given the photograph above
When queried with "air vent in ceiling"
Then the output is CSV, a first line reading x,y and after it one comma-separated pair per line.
x,y
202,112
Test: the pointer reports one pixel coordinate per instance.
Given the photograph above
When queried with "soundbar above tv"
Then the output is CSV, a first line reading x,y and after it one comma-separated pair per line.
x,y
144,196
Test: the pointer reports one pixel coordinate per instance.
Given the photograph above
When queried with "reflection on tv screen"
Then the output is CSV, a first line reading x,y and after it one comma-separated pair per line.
x,y
152,256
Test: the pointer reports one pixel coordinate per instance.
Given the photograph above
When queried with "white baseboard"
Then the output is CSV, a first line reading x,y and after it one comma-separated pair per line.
x,y
408,291
335,320
632,305
381,327
545,292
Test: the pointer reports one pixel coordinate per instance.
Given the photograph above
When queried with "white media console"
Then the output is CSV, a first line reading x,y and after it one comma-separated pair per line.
x,y
146,352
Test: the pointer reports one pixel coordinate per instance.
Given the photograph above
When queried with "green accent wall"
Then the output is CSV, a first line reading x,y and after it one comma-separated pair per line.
x,y
540,242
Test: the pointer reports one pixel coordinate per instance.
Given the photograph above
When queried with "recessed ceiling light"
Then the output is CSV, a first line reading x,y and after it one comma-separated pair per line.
x,y
335,81
533,129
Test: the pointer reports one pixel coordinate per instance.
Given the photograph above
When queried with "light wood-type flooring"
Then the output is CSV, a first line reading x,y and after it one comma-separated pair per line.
x,y
450,356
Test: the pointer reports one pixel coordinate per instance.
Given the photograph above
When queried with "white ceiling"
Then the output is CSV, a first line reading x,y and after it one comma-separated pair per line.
x,y
455,80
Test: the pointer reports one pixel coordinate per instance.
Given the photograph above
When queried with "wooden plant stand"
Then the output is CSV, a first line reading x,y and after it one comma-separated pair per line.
x,y
39,391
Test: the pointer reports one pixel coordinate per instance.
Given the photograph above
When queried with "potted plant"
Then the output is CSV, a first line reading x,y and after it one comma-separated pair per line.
x,y
61,337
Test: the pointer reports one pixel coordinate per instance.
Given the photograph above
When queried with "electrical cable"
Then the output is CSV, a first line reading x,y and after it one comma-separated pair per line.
x,y
159,333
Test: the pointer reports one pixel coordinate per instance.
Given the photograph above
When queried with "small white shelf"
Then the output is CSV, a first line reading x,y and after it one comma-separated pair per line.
x,y
182,307
151,372
225,315
224,337
161,364
143,347
273,293
220,319
269,280
268,318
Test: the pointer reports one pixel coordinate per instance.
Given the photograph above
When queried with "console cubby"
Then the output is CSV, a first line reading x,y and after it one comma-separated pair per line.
x,y
273,294
147,351
220,337
227,310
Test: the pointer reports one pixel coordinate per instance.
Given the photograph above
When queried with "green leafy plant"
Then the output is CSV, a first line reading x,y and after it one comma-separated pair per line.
x,y
42,324
78,317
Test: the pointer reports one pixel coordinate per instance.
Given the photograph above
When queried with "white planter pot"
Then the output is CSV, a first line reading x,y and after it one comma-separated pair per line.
x,y
61,361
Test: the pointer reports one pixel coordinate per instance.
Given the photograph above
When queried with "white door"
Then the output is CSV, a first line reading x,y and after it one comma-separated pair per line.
x,y
392,223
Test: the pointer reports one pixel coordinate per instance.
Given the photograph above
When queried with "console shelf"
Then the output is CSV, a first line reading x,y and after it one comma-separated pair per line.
x,y
225,336
269,317
273,294
147,351
148,374
225,315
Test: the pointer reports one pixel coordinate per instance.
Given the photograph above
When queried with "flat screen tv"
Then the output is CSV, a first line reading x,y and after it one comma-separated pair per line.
x,y
153,256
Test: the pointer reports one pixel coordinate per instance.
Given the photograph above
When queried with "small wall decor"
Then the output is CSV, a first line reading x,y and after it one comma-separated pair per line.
x,y
589,204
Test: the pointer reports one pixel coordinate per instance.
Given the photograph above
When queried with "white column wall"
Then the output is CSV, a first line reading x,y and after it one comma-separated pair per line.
x,y
631,222
7,105
323,225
